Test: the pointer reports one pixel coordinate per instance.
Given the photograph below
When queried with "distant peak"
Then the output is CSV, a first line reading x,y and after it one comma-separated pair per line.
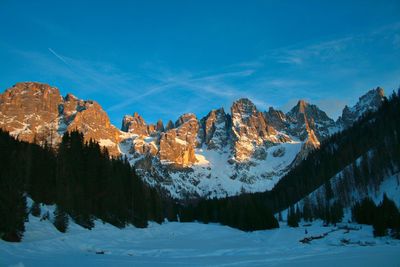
x,y
70,97
185,118
244,100
217,111
302,102
375,95
380,91
243,106
23,87
37,85
221,110
302,105
370,101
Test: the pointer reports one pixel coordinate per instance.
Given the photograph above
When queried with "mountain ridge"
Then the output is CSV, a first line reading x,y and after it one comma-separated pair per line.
x,y
221,154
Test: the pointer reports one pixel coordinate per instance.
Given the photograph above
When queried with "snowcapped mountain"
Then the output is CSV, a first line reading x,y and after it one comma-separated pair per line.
x,y
219,155
226,154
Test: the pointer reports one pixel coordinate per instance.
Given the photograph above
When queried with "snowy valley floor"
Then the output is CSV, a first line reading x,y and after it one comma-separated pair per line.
x,y
194,244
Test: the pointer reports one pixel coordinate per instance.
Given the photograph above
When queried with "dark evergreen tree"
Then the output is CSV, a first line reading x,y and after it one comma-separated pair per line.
x,y
364,212
307,210
328,190
60,219
379,225
292,218
336,212
13,211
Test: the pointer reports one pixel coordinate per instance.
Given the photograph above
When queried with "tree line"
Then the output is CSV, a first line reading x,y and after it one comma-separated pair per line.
x,y
81,179
385,217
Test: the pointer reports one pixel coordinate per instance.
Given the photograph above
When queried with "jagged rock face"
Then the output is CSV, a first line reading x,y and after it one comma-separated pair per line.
x,y
36,112
152,129
371,101
305,117
249,130
29,111
177,145
214,130
220,155
145,146
276,119
175,151
309,144
170,125
160,126
134,124
93,122
187,127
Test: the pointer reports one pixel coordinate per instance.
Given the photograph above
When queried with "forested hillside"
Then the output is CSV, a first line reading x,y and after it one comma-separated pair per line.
x,y
80,178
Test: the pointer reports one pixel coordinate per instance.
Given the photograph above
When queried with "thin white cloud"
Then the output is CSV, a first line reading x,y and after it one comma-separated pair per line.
x,y
224,85
58,56
285,83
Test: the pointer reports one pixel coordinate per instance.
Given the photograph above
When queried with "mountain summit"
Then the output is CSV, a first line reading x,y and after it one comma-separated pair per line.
x,y
368,102
36,112
220,154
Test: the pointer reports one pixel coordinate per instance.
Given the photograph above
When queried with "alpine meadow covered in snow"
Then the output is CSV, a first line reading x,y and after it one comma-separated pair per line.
x,y
175,133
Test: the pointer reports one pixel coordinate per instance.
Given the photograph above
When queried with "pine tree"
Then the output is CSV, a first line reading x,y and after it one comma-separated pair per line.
x,y
336,212
328,190
13,216
60,219
380,228
292,218
307,212
13,211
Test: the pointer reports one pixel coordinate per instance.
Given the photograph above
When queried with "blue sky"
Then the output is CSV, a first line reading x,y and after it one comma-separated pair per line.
x,y
165,58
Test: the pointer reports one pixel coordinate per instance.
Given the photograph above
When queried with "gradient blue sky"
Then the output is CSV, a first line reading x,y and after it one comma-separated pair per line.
x,y
165,58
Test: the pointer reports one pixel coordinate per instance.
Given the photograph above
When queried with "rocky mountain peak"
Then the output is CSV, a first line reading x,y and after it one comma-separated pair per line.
x,y
177,145
306,116
170,125
36,112
33,87
250,131
70,97
160,126
370,101
302,106
276,119
187,127
214,130
185,118
29,111
220,154
134,124
243,108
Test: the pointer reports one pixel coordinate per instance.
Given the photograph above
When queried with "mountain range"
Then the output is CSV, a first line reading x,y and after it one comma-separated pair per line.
x,y
221,154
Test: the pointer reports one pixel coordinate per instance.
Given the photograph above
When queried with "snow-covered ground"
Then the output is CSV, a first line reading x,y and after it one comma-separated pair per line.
x,y
213,177
195,244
